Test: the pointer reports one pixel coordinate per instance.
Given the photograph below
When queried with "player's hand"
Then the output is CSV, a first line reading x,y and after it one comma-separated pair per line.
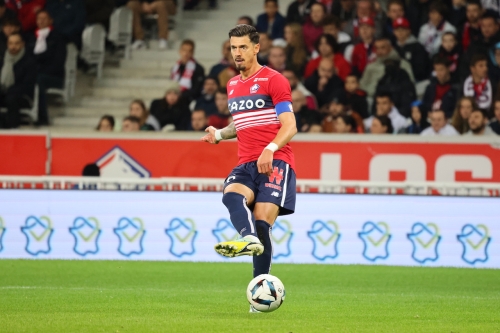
x,y
265,162
210,136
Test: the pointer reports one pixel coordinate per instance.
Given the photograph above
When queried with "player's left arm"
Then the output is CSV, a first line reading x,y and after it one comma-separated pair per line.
x,y
280,93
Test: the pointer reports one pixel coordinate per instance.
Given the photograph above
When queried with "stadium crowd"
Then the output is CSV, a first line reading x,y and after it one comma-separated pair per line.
x,y
427,67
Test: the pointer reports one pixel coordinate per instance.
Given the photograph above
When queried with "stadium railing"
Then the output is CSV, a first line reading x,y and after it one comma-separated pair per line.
x,y
215,184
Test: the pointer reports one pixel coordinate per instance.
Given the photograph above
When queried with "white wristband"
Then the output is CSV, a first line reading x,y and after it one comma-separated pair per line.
x,y
218,137
272,147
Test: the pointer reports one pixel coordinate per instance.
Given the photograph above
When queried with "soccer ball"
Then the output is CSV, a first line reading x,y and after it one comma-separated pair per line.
x,y
266,293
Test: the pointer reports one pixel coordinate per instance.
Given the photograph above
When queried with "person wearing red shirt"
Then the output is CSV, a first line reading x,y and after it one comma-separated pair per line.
x,y
364,52
326,46
471,31
26,11
313,28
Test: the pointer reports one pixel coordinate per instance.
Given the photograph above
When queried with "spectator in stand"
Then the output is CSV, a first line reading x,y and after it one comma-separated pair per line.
x,y
298,11
331,110
494,66
50,53
26,11
223,116
430,33
271,21
439,125
69,19
187,72
353,97
277,58
163,8
106,124
327,48
410,49
206,101
324,83
365,9
304,117
478,124
385,107
245,20
224,63
131,124
376,70
450,50
440,94
332,26
199,120
381,125
397,83
471,32
363,52
295,84
345,10
99,11
312,28
10,26
172,109
464,108
457,14
147,122
345,124
265,46
296,54
17,80
495,123
478,84
395,11
418,122
6,13
490,35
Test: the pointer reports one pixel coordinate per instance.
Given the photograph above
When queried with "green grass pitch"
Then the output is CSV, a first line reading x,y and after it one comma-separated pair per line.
x,y
138,296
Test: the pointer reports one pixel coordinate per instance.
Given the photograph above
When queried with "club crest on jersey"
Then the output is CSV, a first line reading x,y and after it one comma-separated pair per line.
x,y
254,88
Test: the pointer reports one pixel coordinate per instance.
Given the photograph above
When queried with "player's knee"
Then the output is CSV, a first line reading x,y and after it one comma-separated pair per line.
x,y
233,200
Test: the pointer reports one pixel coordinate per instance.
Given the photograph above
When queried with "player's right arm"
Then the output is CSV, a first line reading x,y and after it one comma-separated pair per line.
x,y
214,135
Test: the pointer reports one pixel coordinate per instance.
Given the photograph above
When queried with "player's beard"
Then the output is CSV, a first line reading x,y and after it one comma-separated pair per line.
x,y
241,67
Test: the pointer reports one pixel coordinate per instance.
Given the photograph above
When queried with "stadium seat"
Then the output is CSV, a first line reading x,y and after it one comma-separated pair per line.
x,y
68,90
93,42
120,29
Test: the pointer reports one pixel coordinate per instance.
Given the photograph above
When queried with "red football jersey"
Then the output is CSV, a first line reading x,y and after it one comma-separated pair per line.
x,y
252,103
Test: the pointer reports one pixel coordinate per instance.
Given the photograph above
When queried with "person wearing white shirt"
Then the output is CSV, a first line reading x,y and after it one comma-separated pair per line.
x,y
439,125
385,107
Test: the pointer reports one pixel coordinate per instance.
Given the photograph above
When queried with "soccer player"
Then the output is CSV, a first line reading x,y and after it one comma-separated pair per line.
x,y
262,186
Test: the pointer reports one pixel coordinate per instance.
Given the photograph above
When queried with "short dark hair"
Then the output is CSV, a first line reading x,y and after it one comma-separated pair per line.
x,y
291,69
450,33
132,119
439,110
331,20
275,1
441,60
222,90
477,58
44,11
348,120
320,4
189,42
474,3
483,112
439,7
330,40
247,18
213,78
383,39
385,121
16,34
490,15
200,110
395,2
242,30
11,21
384,94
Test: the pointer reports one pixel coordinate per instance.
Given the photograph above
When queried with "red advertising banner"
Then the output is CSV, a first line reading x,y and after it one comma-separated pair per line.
x,y
390,158
23,153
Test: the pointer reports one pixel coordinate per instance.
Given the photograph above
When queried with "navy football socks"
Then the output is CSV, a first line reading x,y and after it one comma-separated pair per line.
x,y
262,263
241,216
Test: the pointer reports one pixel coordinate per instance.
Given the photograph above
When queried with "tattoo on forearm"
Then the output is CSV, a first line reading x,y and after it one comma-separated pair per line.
x,y
228,132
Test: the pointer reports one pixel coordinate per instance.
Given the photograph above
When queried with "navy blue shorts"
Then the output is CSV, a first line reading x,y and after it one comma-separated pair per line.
x,y
279,188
